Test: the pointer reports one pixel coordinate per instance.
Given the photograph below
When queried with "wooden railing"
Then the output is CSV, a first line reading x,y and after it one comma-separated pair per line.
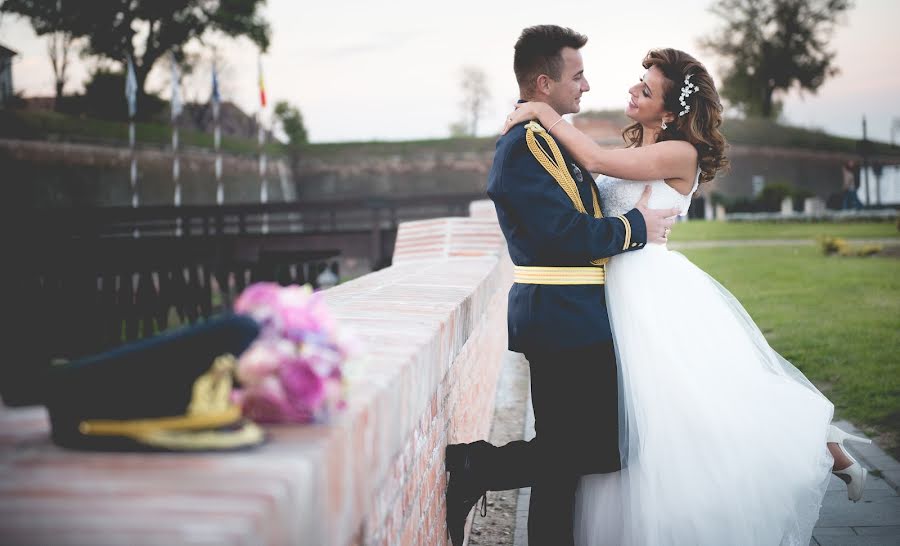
x,y
82,281
353,215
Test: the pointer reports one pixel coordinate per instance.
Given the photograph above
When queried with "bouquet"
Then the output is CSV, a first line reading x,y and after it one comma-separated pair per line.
x,y
294,371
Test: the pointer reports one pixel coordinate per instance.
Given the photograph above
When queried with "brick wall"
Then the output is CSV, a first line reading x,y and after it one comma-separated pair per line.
x,y
434,325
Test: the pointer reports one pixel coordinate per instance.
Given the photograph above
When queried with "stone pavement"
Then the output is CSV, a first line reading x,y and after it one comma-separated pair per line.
x,y
874,521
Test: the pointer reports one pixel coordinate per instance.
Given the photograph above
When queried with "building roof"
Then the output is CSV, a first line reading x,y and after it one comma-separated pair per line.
x,y
7,52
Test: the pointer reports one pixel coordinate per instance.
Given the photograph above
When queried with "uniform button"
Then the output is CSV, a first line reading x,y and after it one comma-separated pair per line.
x,y
633,245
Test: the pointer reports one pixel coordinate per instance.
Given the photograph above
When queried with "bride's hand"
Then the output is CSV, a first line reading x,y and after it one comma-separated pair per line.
x,y
524,111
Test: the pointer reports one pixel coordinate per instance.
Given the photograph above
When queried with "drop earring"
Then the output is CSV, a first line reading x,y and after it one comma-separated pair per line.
x,y
664,126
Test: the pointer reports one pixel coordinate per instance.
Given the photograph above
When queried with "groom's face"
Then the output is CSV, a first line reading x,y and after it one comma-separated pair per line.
x,y
565,95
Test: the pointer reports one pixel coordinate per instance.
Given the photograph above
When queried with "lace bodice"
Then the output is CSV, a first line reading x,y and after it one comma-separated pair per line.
x,y
618,196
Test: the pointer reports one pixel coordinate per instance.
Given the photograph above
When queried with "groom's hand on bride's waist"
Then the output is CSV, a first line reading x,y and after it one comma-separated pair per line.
x,y
658,221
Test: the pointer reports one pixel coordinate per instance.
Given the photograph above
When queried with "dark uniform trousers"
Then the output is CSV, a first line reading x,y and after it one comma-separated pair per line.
x,y
575,399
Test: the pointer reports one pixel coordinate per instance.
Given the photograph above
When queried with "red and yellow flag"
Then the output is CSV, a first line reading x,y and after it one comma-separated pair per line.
x,y
262,86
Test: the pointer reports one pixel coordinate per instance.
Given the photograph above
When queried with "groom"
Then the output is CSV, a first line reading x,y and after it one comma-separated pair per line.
x,y
558,240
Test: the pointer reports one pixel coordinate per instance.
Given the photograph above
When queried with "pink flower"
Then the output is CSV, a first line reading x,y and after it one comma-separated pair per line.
x,y
304,389
302,312
293,371
266,402
263,358
258,301
323,359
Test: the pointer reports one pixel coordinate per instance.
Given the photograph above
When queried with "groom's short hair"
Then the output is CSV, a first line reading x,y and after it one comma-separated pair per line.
x,y
538,51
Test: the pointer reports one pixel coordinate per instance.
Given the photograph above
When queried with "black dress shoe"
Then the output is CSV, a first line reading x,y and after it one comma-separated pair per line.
x,y
463,490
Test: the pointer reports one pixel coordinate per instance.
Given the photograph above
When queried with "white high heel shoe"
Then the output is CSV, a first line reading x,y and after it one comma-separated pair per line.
x,y
854,475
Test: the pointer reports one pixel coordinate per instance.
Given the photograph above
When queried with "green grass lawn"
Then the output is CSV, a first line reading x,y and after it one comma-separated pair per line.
x,y
718,231
837,319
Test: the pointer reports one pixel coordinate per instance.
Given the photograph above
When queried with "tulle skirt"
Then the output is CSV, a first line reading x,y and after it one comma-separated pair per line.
x,y
722,440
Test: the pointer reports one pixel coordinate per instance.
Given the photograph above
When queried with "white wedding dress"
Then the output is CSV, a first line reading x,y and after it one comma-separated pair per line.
x,y
722,440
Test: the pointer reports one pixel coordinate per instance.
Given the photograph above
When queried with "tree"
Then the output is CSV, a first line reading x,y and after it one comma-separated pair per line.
x,y
291,121
60,47
475,97
102,97
51,18
459,129
143,30
773,46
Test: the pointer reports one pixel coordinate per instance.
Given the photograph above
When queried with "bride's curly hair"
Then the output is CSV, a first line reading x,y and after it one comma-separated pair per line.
x,y
699,126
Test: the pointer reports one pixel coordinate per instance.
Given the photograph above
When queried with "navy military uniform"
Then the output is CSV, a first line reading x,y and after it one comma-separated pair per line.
x,y
548,210
543,227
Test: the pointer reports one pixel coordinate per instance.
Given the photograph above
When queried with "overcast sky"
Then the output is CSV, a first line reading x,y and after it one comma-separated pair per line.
x,y
361,70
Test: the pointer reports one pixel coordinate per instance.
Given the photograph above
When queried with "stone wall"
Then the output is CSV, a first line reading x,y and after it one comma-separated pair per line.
x,y
434,329
62,174
392,169
45,174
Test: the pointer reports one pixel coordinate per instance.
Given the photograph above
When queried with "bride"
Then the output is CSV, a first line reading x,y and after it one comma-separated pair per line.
x,y
722,440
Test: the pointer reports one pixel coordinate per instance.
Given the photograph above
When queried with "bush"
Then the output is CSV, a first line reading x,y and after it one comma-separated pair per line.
x,y
799,197
769,200
869,250
833,245
837,245
772,195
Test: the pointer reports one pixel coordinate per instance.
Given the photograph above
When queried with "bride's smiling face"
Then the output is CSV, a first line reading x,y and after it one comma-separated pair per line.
x,y
646,104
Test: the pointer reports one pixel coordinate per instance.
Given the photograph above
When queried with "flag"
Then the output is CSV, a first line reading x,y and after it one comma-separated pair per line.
x,y
215,98
176,89
262,86
131,89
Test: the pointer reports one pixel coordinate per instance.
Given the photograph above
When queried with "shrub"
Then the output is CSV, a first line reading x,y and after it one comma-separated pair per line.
x,y
833,245
869,249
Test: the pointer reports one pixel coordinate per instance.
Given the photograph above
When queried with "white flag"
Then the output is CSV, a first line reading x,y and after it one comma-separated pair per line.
x,y
215,98
131,89
176,89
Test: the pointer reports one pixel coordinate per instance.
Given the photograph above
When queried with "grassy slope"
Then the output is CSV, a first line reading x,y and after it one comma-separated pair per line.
x,y
53,126
43,125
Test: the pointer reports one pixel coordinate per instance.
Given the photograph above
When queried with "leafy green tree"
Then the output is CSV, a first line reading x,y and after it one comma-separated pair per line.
x,y
291,121
772,46
102,98
111,27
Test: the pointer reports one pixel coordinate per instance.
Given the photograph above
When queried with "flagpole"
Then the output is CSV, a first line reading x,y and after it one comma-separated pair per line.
x,y
263,183
176,166
175,107
176,175
217,142
131,100
134,193
216,99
